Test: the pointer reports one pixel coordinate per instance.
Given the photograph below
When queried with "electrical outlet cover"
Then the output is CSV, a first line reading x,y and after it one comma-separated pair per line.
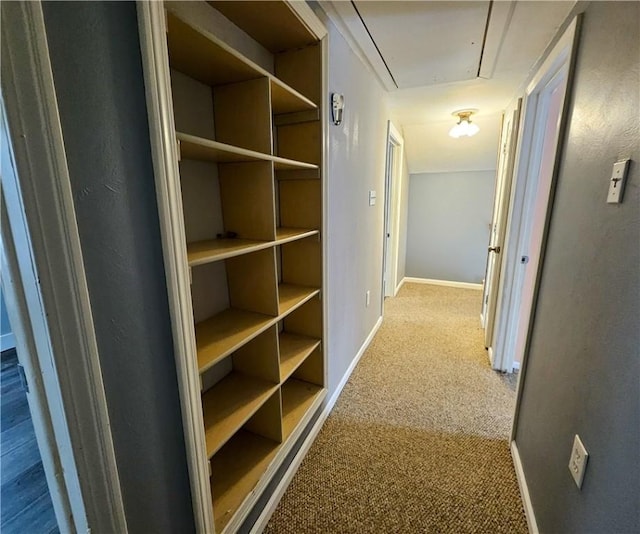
x,y
578,461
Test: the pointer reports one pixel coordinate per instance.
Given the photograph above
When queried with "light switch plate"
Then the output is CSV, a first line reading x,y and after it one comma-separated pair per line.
x,y
578,461
617,182
372,198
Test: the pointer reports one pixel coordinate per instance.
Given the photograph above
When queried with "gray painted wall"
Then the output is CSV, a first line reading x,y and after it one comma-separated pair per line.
x,y
583,368
5,327
448,225
99,83
404,217
355,234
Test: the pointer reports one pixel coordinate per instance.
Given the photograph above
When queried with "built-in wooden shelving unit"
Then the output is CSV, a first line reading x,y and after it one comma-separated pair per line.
x,y
248,140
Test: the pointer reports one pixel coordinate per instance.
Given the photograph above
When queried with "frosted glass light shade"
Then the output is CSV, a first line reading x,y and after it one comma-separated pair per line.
x,y
464,128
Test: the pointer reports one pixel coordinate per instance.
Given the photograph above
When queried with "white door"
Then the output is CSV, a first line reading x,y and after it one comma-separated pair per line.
x,y
392,200
536,164
387,220
495,253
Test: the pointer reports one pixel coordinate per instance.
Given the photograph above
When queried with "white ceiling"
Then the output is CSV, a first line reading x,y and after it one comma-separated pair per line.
x,y
427,47
418,42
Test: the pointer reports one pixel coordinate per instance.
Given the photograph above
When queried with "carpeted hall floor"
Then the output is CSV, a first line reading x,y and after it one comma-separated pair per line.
x,y
417,442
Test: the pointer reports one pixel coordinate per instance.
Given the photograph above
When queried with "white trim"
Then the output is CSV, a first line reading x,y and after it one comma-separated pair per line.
x,y
308,17
348,23
399,286
354,363
153,47
22,308
392,208
447,283
52,271
491,358
512,314
516,366
7,341
504,178
282,486
524,490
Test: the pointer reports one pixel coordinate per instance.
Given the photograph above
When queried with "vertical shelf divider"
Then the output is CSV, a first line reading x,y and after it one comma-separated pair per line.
x,y
250,152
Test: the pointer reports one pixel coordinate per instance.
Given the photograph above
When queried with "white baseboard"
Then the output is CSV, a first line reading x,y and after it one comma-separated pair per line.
x,y
7,341
282,486
399,286
524,490
516,366
490,352
448,283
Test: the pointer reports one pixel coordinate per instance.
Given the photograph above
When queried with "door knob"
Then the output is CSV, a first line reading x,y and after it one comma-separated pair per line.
x,y
494,249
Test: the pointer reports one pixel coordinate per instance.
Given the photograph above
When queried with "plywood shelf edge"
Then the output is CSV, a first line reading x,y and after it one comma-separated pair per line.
x,y
287,235
201,149
211,250
294,349
230,404
291,297
201,252
271,457
299,402
225,332
285,98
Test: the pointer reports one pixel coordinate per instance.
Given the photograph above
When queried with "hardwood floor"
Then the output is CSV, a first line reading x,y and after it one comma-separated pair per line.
x,y
25,503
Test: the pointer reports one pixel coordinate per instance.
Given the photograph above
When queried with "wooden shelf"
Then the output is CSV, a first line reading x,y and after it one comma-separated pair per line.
x,y
286,235
229,404
202,252
202,56
201,149
277,28
294,349
263,131
297,399
225,332
284,99
236,470
291,297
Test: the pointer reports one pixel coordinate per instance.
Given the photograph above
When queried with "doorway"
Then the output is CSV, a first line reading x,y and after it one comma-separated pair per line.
x,y
26,501
536,165
495,253
43,276
392,203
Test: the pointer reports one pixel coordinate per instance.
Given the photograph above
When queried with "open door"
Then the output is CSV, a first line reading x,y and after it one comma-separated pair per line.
x,y
504,178
534,182
393,178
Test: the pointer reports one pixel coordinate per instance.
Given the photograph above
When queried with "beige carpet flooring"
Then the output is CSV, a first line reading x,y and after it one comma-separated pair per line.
x,y
417,442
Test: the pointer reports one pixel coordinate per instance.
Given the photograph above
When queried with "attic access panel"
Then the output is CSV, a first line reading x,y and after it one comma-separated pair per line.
x,y
427,43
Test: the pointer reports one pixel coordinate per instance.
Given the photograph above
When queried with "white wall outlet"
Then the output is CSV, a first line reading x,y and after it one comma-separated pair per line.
x,y
578,461
372,198
617,180
368,298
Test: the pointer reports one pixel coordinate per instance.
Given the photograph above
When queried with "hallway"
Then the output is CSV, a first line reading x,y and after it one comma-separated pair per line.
x,y
418,440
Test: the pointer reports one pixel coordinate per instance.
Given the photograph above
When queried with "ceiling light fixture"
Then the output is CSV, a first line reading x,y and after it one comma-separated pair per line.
x,y
464,127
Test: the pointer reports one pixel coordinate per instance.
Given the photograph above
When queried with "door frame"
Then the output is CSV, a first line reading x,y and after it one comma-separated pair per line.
x,y
511,308
495,260
392,202
52,314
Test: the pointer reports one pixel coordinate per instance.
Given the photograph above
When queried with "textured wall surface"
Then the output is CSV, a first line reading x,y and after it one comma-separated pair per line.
x,y
99,83
583,367
356,165
448,225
